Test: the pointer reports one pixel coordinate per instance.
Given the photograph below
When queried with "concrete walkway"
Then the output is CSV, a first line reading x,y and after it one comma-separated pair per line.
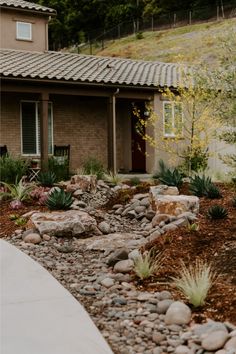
x,y
38,315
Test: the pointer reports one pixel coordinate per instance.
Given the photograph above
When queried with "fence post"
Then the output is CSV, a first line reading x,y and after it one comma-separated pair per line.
x,y
222,9
134,27
190,18
217,13
174,20
152,23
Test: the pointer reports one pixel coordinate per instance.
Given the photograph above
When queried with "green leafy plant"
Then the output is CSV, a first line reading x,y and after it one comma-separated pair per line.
x,y
47,179
135,181
195,160
195,281
113,179
213,192
193,227
12,169
58,199
147,265
18,191
13,216
170,177
20,221
139,35
93,167
217,212
199,185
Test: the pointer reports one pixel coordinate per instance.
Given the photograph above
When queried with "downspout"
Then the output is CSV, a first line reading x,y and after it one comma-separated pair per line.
x,y
114,157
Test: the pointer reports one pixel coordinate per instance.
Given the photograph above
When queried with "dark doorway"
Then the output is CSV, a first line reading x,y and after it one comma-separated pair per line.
x,y
137,141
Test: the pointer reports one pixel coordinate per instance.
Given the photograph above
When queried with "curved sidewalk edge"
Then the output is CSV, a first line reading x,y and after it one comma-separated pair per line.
x,y
38,315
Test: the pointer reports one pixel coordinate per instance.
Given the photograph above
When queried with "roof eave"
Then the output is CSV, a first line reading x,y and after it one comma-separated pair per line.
x,y
41,12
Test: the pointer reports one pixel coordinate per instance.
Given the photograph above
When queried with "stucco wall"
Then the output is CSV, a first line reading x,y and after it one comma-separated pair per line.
x,y
8,19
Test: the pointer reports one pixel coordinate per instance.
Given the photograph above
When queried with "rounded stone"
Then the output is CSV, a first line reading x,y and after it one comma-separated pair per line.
x,y
33,238
104,227
182,349
214,340
125,266
107,282
46,237
163,306
231,344
178,313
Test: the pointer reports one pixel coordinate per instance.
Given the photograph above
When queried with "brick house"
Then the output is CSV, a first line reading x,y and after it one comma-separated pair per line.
x,y
57,98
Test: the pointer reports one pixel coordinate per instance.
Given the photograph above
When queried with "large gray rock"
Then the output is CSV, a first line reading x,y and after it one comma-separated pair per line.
x,y
210,326
162,189
123,266
214,340
32,238
178,313
63,223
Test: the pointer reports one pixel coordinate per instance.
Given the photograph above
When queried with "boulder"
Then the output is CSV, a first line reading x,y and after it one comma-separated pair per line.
x,y
32,238
178,313
162,189
175,204
87,183
63,223
214,340
125,266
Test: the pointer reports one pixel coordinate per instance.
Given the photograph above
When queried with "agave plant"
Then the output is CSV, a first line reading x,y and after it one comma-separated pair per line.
x,y
213,192
195,281
199,185
17,192
47,179
58,199
169,177
217,212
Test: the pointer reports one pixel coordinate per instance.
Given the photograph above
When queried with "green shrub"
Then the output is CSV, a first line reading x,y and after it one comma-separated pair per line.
x,y
135,181
58,199
170,177
199,185
147,265
195,282
60,169
93,167
12,169
213,192
113,179
217,212
139,35
196,160
47,179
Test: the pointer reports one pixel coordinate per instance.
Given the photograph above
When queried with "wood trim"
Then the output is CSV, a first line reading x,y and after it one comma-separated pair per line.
x,y
44,130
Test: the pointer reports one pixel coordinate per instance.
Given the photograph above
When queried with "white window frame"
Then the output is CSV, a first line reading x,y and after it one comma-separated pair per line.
x,y
18,36
37,127
172,103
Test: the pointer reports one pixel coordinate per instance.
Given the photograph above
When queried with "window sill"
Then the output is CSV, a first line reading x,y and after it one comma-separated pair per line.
x,y
24,40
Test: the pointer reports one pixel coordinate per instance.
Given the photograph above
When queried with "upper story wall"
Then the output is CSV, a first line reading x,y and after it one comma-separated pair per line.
x,y
8,31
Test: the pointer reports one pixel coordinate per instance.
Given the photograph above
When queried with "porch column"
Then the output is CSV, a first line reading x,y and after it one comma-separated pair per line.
x,y
44,130
112,163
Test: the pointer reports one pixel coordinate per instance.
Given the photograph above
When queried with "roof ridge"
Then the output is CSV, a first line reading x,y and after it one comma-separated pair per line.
x,y
23,4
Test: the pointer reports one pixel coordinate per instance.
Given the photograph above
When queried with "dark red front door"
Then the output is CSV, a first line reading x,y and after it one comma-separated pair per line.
x,y
138,143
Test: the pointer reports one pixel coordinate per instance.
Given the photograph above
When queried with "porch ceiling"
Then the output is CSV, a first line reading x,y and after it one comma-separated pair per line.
x,y
74,68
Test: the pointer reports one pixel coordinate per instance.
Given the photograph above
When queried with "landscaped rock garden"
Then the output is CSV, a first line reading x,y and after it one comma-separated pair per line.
x,y
93,247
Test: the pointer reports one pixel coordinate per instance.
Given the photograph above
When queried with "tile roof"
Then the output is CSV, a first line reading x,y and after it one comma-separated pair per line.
x,y
88,69
21,4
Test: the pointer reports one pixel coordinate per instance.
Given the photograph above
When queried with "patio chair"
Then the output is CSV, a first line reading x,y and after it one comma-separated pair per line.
x,y
3,150
62,155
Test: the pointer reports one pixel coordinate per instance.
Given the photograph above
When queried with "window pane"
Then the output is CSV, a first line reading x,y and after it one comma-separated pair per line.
x,y
168,128
178,119
28,128
23,30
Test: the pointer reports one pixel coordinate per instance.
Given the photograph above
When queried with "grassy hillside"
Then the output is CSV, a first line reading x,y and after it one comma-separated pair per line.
x,y
189,44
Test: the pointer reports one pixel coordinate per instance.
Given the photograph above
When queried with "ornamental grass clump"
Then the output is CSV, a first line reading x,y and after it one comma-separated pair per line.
x,y
147,265
17,192
195,281
112,178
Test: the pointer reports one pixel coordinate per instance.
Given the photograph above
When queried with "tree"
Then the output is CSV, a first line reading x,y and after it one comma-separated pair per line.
x,y
190,121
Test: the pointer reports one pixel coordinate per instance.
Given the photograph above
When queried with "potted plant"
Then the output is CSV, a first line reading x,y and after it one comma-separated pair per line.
x,y
34,163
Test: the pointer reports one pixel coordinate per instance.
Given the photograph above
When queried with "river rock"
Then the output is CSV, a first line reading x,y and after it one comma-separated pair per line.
x,y
32,238
231,344
178,313
214,340
118,255
123,266
104,227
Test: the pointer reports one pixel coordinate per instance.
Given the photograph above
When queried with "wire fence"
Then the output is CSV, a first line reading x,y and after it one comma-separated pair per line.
x,y
158,23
